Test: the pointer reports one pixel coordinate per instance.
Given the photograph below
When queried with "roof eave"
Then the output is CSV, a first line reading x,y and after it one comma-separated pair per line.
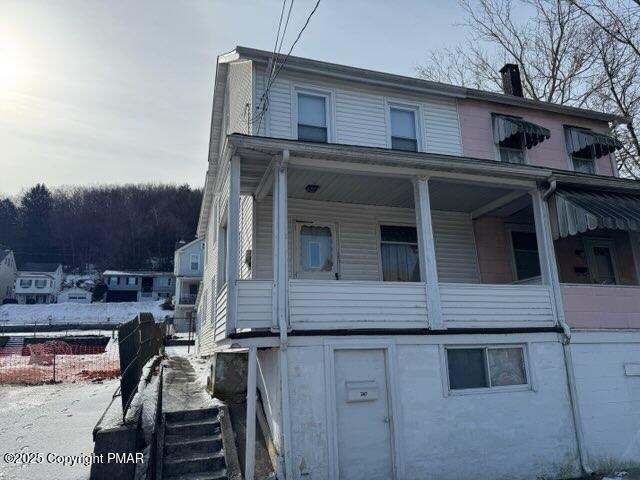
x,y
418,85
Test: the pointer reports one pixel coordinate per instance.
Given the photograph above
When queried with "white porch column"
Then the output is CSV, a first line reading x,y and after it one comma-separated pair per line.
x,y
546,252
250,440
233,244
427,251
279,230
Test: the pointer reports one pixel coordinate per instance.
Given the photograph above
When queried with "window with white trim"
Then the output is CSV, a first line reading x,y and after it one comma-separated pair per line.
x,y
486,367
25,283
313,117
40,283
132,281
399,253
512,148
403,128
194,261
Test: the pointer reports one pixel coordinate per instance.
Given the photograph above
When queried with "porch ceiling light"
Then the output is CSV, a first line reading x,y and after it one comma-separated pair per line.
x,y
312,188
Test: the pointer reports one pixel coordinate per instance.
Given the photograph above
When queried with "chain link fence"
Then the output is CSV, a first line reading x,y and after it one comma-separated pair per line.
x,y
57,361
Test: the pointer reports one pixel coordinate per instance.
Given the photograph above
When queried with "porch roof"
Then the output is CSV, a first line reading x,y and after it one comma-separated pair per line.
x,y
576,211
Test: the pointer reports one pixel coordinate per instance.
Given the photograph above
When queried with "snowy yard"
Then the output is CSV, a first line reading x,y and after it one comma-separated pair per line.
x,y
79,313
51,419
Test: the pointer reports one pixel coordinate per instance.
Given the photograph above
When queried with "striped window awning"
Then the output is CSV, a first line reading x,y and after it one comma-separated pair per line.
x,y
574,211
505,127
579,138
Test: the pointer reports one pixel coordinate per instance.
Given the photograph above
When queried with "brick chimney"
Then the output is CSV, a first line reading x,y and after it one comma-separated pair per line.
x,y
511,83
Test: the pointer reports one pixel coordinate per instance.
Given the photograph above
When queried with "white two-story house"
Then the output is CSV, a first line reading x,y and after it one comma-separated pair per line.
x,y
38,282
431,281
187,267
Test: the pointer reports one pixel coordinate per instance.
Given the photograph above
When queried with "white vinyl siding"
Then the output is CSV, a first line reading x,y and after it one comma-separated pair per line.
x,y
360,113
358,236
240,86
246,234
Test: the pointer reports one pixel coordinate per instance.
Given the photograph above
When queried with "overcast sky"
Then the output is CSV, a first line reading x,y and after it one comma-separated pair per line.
x,y
114,91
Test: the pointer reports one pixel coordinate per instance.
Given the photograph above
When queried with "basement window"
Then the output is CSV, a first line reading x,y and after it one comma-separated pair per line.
x,y
486,368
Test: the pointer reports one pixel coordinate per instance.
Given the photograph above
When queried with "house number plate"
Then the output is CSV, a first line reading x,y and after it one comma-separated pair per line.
x,y
362,391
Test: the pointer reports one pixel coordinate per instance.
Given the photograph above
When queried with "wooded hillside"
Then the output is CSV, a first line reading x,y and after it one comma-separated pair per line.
x,y
125,227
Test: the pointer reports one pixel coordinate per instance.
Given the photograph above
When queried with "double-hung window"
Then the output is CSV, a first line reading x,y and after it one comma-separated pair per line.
x,y
132,281
487,367
524,245
194,261
399,253
25,283
600,258
313,117
584,160
403,128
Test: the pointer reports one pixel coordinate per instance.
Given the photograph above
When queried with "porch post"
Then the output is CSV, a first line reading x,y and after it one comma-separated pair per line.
x,y
250,440
233,241
548,267
427,251
279,230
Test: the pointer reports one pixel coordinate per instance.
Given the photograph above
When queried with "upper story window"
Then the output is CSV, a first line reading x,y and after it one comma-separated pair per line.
x,y
584,146
194,261
132,281
399,253
25,283
513,136
403,128
600,258
312,117
41,283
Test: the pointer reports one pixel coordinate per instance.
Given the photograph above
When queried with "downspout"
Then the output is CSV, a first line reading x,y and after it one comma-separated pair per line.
x,y
568,364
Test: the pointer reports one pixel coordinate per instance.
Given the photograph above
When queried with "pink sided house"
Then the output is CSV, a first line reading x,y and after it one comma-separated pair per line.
x,y
419,273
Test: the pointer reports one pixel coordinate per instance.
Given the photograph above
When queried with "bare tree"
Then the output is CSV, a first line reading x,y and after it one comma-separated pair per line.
x,y
565,57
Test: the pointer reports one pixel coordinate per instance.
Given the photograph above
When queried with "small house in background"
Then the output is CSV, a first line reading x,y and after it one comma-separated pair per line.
x,y
38,282
74,295
187,267
128,286
8,274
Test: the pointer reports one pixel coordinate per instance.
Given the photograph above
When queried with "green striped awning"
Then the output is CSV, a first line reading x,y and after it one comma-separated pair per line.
x,y
579,138
574,211
505,127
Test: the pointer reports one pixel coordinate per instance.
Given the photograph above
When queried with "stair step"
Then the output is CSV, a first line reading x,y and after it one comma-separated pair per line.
x,y
193,428
186,415
194,463
214,475
208,444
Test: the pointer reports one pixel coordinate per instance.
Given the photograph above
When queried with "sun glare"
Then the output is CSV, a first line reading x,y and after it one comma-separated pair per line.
x,y
11,64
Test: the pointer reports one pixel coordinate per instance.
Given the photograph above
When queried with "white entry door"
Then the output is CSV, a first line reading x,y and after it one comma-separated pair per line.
x,y
363,416
315,251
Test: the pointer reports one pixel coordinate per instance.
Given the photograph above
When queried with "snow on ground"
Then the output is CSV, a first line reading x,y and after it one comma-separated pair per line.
x,y
13,314
51,419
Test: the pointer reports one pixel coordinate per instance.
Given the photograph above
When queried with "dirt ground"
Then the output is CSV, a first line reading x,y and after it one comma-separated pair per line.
x,y
50,419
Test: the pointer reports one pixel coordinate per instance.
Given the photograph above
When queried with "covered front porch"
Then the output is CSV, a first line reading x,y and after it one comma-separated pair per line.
x,y
325,245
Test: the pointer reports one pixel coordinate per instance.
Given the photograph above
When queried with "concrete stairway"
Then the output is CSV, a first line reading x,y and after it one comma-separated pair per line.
x,y
193,447
14,345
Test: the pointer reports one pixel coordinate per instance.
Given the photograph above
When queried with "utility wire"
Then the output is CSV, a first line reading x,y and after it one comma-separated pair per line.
x,y
273,77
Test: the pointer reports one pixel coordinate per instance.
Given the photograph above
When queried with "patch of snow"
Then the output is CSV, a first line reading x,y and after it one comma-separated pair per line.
x,y
13,314
51,419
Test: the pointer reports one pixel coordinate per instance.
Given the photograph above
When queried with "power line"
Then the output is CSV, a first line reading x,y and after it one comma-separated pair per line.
x,y
273,77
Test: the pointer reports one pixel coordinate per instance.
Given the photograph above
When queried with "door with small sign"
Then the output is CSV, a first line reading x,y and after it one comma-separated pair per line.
x,y
363,415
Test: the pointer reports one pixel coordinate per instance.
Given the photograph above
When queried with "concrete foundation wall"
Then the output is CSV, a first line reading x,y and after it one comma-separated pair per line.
x,y
506,434
607,372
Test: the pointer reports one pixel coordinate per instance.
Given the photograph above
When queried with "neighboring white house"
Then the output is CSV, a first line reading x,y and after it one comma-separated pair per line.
x,y
74,295
38,282
8,273
431,281
133,286
187,267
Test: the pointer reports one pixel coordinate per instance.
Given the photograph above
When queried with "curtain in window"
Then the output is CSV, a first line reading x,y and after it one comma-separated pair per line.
x,y
400,263
506,366
316,249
